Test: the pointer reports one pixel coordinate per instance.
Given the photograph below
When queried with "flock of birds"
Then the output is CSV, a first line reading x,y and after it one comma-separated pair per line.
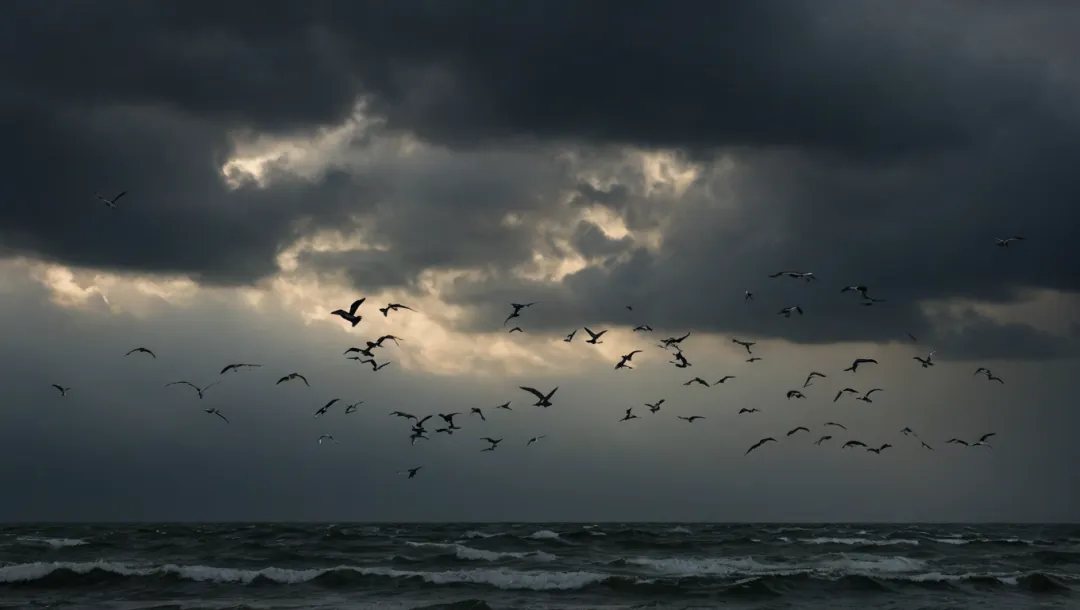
x,y
419,431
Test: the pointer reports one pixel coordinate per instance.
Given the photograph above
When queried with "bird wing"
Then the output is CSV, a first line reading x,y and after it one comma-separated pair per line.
x,y
218,413
188,383
304,379
986,436
283,379
874,390
356,305
58,387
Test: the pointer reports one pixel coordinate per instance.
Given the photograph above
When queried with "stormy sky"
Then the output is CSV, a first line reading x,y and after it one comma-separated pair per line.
x,y
283,159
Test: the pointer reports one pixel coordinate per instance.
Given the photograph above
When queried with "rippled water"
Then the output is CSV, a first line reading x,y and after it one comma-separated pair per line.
x,y
539,566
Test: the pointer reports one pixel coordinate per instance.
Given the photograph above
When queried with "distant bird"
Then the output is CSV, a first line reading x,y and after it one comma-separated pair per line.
x,y
111,203
853,444
925,445
416,436
627,358
394,307
629,415
926,363
908,432
824,438
981,444
746,344
197,388
327,437
506,405
879,449
656,406
543,400
350,316
860,289
326,407
866,397
723,379
760,443
517,311
63,390
995,378
629,308
365,351
292,376
449,419
143,350
787,311
795,394
644,328
753,359
351,408
691,418
411,471
799,275
868,301
810,378
494,442
477,411
403,414
854,368
698,380
745,410
516,329
213,411
379,342
238,366
534,439
680,360
845,391
982,439
832,423
912,337
1004,243
794,430
594,337
570,337
674,340
982,369
748,296
957,441
375,366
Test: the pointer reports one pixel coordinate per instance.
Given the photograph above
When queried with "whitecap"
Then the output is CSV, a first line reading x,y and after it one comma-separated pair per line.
x,y
468,553
678,529
56,543
858,541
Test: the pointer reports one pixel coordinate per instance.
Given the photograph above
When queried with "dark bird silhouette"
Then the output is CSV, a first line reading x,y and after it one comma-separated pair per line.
x,y
644,328
379,342
477,411
236,367
794,430
534,439
691,418
860,289
326,407
724,379
680,361
213,411
746,344
674,340
627,358
517,311
925,363
375,366
143,350
570,337
327,437
493,441
760,443
352,408
745,410
1004,243
810,378
855,365
798,275
912,337
350,316
411,471
845,391
795,394
629,415
697,380
748,296
908,432
822,439
594,337
449,419
787,311
543,400
403,414
506,405
853,444
982,439
394,307
879,449
832,423
292,376
516,329
925,446
995,378
629,308
868,301
753,359
866,397
110,203
199,390
63,391
365,351
957,441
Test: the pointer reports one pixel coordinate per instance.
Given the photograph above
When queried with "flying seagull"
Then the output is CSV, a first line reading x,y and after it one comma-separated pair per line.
x,y
795,394
534,439
957,441
237,367
697,380
855,365
143,350
326,407
375,366
411,471
213,411
627,358
760,443
723,379
449,419
292,376
629,415
327,437
379,342
350,316
351,408
63,390
110,202
794,430
799,275
746,344
644,328
982,439
493,441
506,405
879,449
594,337
845,391
924,362
1004,243
394,307
853,444
866,397
543,400
517,311
516,329
748,296
810,378
197,388
786,312
691,418
745,410
478,412
858,288
909,432
570,337
925,445
832,423
824,438
680,361
753,359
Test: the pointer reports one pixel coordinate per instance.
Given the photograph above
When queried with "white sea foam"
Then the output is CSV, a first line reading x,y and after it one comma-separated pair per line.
x,y
544,535
858,541
56,543
870,565
678,529
468,553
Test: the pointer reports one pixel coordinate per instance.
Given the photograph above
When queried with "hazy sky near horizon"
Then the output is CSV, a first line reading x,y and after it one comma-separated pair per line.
x,y
282,160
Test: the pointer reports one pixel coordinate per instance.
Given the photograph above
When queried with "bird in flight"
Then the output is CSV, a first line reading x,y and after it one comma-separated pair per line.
x,y
747,295
909,432
746,344
983,438
644,328
832,423
868,301
745,410
795,394
534,439
1004,243
543,400
411,471
855,365
925,446
516,329
810,378
680,360
594,337
760,443
493,441
351,408
798,275
449,419
653,408
197,388
912,337
957,441
674,340
723,379
691,418
787,311
111,203
853,444
237,367
213,411
394,307
857,288
845,391
794,430
375,366
326,407
753,359
350,316
292,376
626,358
866,397
629,415
63,390
478,412
925,362
327,437
878,450
697,380
517,311
365,351
143,350
506,405
570,337
822,439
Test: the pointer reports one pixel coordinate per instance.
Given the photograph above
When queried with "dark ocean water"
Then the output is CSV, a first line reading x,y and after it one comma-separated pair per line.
x,y
499,566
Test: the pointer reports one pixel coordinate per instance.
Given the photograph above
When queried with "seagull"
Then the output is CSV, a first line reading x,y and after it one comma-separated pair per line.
x,y
570,337
365,351
216,412
981,444
494,443
629,415
747,295
691,418
909,432
594,336
680,361
926,446
746,344
656,407
926,363
745,410
1003,243
859,288
845,391
411,471
374,365
832,423
982,369
824,438
110,202
327,437
995,378
855,365
982,439
394,307
753,359
629,308
795,394
516,329
534,439
237,367
643,328
868,301
627,358
810,377
853,444
478,412
350,316
449,419
674,340
292,376
794,430
197,388
403,414
912,337
352,408
380,340
543,400
957,441
697,380
723,379
786,312
63,390
326,407
879,449
506,405
803,275
866,397
517,311
759,443
417,435
143,350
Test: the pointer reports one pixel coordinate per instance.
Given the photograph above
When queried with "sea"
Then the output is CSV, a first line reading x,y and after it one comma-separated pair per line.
x,y
556,565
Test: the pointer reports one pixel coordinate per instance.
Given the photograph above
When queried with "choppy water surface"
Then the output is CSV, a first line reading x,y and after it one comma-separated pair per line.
x,y
539,566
